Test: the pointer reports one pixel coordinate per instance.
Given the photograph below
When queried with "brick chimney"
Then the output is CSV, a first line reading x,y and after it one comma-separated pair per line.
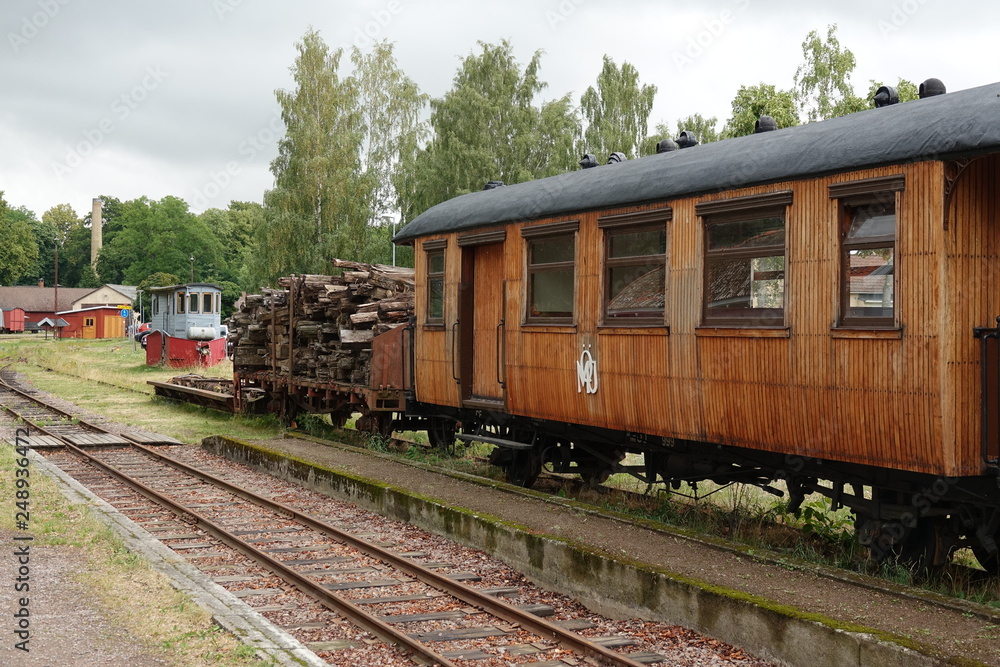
x,y
96,231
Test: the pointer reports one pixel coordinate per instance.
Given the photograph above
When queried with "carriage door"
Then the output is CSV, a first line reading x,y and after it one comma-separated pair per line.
x,y
481,318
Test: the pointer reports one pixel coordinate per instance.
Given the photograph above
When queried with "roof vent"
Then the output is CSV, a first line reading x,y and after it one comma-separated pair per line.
x,y
666,145
589,161
616,157
687,139
932,87
765,124
885,96
493,185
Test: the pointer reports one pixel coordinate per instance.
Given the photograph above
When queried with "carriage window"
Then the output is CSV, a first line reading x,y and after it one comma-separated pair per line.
x,y
551,278
156,304
193,306
635,274
218,303
435,285
207,301
745,270
180,302
868,265
868,280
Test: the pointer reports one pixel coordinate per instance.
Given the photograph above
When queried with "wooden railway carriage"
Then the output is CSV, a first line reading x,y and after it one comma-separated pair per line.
x,y
810,304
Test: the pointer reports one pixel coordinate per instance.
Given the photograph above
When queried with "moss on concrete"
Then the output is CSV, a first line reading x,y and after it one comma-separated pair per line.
x,y
540,553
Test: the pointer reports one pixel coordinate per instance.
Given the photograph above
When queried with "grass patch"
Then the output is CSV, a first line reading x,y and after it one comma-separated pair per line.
x,y
109,378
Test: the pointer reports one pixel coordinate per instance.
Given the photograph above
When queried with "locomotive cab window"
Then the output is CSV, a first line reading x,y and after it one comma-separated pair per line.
x,y
435,281
745,261
635,269
868,280
193,305
207,302
180,302
551,273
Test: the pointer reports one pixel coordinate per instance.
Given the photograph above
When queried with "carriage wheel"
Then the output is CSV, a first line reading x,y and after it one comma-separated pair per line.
x,y
441,433
927,545
524,467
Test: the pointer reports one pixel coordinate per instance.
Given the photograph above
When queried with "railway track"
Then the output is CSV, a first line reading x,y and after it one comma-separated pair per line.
x,y
431,611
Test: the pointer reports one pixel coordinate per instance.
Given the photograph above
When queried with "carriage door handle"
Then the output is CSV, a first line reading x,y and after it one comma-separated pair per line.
x,y
454,351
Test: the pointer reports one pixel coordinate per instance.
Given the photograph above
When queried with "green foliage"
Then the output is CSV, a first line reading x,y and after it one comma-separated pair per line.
x,y
88,277
18,251
390,105
160,236
752,102
487,127
818,518
317,209
823,81
706,129
616,111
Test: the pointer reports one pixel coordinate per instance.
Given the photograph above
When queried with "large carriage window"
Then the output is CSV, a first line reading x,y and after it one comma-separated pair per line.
x,y
435,281
745,260
868,251
635,270
551,273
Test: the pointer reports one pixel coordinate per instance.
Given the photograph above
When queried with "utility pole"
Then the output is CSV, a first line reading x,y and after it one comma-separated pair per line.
x,y
55,305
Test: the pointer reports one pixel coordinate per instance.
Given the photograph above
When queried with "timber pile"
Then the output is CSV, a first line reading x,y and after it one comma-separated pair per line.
x,y
334,321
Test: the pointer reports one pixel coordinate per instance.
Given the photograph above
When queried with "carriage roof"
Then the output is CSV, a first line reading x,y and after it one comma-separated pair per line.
x,y
947,126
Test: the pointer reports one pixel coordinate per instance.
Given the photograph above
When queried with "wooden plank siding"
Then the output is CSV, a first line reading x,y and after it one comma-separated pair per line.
x,y
906,399
971,289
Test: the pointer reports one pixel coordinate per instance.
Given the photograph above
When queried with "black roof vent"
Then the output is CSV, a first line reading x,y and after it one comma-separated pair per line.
x,y
885,96
666,145
589,161
493,185
765,124
932,87
616,157
687,139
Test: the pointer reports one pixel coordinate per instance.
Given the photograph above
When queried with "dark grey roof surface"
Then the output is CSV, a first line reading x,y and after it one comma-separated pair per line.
x,y
962,123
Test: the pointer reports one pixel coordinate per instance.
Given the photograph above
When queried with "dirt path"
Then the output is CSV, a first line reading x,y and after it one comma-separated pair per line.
x,y
67,623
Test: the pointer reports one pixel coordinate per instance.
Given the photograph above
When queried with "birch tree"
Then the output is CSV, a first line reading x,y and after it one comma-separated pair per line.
x,y
616,111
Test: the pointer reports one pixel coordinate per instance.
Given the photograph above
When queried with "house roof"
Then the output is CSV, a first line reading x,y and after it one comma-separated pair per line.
x,y
935,128
129,291
40,299
87,310
179,288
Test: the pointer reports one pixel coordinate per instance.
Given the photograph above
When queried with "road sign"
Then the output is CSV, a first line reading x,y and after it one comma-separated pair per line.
x,y
125,312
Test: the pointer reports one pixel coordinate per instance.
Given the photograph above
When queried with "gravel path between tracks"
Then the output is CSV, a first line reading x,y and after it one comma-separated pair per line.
x,y
956,633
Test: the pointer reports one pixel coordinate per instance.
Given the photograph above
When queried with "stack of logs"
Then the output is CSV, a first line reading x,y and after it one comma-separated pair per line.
x,y
334,321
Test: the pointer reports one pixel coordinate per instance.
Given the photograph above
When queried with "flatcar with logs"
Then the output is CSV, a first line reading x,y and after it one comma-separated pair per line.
x,y
816,305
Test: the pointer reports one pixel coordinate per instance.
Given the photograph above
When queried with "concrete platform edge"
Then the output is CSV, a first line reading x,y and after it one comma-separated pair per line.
x,y
606,583
231,613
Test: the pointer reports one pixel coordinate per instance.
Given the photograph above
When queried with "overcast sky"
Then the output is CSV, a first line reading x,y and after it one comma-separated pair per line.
x,y
131,98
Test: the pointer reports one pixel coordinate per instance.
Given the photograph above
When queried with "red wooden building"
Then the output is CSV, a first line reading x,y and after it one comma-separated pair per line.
x,y
98,322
